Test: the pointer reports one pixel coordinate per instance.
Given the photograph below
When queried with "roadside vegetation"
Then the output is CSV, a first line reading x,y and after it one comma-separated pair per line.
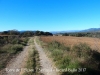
x,y
83,34
12,42
10,46
70,41
32,65
78,59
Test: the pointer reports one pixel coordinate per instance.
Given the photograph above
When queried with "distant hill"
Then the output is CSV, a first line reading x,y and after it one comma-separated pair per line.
x,y
66,31
71,31
91,30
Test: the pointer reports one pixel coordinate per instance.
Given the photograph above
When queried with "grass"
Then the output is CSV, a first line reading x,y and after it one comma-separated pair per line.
x,y
7,51
70,41
58,52
32,63
12,49
79,55
4,57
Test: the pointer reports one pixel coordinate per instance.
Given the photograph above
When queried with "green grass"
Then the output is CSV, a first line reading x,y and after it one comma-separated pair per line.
x,y
33,63
8,50
12,49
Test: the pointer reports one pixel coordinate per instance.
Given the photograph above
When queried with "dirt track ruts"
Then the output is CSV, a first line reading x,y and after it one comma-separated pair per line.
x,y
16,64
47,66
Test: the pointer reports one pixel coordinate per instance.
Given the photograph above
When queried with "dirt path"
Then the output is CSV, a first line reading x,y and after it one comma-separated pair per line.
x,y
47,66
16,64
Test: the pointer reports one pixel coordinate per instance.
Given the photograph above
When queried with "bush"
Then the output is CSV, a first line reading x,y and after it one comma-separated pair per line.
x,y
15,41
24,41
2,66
12,48
17,47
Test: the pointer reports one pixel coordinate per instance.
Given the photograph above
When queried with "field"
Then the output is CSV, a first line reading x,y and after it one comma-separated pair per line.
x,y
74,53
70,41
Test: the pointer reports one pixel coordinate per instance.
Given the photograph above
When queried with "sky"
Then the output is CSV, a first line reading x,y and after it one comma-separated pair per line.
x,y
49,15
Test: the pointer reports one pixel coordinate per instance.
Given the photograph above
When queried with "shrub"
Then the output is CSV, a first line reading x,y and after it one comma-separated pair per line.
x,y
2,66
12,48
24,41
15,41
17,47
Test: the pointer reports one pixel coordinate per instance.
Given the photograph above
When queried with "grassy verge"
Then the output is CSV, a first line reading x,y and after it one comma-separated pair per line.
x,y
32,64
37,40
8,51
77,60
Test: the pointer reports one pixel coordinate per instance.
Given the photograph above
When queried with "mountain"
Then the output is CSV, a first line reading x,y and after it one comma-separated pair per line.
x,y
71,31
91,30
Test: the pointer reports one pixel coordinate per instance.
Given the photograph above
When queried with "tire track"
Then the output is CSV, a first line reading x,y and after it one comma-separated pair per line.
x,y
46,64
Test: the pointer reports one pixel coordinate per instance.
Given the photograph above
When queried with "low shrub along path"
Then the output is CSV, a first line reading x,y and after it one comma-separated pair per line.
x,y
16,64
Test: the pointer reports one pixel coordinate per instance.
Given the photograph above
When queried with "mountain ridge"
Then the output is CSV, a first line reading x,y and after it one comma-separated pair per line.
x,y
71,31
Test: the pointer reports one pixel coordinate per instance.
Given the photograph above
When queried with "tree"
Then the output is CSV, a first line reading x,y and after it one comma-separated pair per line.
x,y
13,32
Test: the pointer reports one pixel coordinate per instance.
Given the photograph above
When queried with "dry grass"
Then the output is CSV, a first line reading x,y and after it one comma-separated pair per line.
x,y
76,54
70,41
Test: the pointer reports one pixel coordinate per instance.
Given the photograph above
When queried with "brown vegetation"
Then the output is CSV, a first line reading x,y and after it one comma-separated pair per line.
x,y
70,41
74,52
